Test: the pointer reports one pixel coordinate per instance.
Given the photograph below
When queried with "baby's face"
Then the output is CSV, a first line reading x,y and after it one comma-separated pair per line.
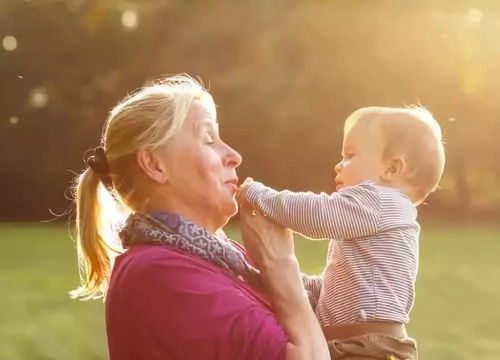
x,y
361,157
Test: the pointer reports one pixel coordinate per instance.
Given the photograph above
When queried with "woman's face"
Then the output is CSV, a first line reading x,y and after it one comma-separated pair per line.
x,y
201,170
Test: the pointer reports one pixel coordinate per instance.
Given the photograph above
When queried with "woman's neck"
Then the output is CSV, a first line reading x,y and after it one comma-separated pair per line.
x,y
200,218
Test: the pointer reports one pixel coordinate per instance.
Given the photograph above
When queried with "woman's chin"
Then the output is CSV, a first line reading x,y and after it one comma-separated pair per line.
x,y
229,210
233,208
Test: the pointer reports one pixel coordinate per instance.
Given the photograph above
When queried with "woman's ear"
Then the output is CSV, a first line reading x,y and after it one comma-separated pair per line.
x,y
394,168
152,165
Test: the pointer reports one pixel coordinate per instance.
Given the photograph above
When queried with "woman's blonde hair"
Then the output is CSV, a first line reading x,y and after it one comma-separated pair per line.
x,y
410,132
145,119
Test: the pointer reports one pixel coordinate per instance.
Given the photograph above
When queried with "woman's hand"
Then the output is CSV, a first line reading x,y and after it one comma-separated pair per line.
x,y
267,243
270,247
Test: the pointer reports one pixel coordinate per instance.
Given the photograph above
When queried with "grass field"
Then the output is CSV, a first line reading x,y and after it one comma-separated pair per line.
x,y
456,316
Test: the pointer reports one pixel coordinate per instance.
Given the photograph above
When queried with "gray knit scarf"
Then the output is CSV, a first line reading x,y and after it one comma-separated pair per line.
x,y
164,228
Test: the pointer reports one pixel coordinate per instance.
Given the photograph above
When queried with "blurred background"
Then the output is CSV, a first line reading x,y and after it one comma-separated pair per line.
x,y
285,74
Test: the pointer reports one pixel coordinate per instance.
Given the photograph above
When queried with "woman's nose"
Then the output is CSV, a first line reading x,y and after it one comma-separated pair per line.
x,y
232,157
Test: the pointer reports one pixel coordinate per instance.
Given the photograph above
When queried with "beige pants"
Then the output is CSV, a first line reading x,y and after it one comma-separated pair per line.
x,y
373,347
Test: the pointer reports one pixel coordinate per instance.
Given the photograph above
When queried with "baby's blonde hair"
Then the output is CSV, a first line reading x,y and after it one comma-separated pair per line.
x,y
146,119
412,133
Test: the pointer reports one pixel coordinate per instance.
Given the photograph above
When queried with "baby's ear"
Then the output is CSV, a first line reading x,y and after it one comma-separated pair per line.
x,y
394,168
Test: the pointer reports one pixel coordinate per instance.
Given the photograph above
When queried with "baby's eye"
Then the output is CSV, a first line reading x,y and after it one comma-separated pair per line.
x,y
349,155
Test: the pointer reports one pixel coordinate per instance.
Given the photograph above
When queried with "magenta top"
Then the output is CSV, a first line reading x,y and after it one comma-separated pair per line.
x,y
166,304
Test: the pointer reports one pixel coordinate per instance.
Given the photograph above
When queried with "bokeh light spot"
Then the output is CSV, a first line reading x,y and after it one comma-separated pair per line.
x,y
130,20
13,120
39,97
474,16
9,43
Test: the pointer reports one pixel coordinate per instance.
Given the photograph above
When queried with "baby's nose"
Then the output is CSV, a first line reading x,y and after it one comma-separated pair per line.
x,y
338,167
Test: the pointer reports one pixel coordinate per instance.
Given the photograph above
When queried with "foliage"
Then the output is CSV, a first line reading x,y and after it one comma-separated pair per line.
x,y
285,75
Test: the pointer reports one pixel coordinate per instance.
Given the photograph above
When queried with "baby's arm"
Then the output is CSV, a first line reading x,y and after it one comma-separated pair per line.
x,y
353,212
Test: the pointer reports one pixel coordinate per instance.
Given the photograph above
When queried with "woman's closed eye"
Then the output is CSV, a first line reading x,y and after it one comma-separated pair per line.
x,y
209,139
349,155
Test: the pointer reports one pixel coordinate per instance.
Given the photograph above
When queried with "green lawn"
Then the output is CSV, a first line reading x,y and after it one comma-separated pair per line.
x,y
456,315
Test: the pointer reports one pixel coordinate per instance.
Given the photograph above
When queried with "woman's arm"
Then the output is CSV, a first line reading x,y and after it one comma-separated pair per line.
x,y
293,310
270,246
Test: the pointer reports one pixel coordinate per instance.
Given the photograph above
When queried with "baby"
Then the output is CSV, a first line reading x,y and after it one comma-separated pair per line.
x,y
392,159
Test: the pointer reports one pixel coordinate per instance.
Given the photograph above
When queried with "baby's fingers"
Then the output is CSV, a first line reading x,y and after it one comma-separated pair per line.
x,y
242,189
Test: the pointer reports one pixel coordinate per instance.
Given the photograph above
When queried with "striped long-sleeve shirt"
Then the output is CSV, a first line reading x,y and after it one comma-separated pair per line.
x,y
372,258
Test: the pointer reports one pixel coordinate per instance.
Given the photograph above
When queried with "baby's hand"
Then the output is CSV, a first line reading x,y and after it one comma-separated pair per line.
x,y
242,190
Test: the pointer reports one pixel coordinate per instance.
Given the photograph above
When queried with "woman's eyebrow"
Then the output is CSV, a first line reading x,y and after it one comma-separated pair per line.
x,y
204,125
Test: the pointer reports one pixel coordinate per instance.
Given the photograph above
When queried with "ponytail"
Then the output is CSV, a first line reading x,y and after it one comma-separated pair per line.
x,y
97,216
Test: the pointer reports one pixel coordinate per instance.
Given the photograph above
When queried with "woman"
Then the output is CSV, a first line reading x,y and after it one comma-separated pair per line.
x,y
181,290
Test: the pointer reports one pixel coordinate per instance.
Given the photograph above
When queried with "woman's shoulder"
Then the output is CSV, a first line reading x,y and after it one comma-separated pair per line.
x,y
148,266
192,302
160,262
143,255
